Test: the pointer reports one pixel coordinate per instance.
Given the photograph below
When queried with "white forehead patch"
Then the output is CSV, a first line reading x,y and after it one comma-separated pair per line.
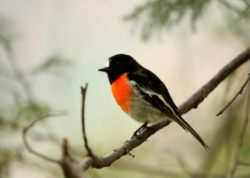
x,y
106,64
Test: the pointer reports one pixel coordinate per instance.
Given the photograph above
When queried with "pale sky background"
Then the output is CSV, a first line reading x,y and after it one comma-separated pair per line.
x,y
88,33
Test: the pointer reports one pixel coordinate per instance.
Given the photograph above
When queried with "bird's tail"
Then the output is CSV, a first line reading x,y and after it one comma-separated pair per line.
x,y
186,126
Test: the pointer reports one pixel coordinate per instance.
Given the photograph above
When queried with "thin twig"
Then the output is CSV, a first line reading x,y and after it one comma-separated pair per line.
x,y
235,96
89,151
28,147
241,137
65,148
206,89
17,74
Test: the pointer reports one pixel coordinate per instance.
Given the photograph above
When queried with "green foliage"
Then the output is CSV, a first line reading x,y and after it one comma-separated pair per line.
x,y
236,28
7,156
52,62
7,36
17,83
158,15
164,14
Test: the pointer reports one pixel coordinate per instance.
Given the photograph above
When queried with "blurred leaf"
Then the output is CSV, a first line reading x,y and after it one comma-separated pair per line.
x,y
239,29
7,35
7,155
14,115
164,14
27,112
53,62
158,15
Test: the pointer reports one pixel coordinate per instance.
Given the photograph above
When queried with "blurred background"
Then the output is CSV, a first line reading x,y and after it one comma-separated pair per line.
x,y
48,49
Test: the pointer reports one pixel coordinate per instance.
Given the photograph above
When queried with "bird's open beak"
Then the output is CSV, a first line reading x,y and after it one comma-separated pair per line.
x,y
105,69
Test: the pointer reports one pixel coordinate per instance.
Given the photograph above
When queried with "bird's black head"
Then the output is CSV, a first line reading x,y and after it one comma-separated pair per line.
x,y
118,65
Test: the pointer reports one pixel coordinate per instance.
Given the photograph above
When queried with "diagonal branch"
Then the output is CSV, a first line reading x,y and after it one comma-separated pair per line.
x,y
191,103
234,98
206,89
73,169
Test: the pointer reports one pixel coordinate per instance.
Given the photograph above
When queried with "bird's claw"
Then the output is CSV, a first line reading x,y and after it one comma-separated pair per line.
x,y
139,130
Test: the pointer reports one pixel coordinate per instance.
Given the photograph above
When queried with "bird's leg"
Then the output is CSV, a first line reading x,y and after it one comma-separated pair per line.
x,y
141,128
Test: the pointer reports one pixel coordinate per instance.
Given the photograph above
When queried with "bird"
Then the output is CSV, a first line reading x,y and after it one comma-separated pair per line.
x,y
141,94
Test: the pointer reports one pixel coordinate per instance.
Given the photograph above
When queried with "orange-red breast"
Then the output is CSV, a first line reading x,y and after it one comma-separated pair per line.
x,y
141,94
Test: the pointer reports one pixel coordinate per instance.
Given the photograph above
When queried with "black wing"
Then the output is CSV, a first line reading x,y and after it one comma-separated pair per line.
x,y
149,81
156,93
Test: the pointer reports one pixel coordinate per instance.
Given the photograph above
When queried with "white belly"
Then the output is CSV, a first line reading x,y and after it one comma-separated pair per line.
x,y
143,111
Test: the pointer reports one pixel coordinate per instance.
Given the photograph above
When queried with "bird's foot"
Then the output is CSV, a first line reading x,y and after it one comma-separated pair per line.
x,y
140,129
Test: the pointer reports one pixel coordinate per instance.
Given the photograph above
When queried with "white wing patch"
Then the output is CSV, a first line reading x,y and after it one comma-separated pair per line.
x,y
151,93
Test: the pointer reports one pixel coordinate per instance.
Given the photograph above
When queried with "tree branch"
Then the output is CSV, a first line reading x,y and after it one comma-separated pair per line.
x,y
236,95
72,169
89,151
28,147
191,103
241,137
206,89
69,166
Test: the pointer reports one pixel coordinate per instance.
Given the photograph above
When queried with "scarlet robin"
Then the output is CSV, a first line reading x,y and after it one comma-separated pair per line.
x,y
141,94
